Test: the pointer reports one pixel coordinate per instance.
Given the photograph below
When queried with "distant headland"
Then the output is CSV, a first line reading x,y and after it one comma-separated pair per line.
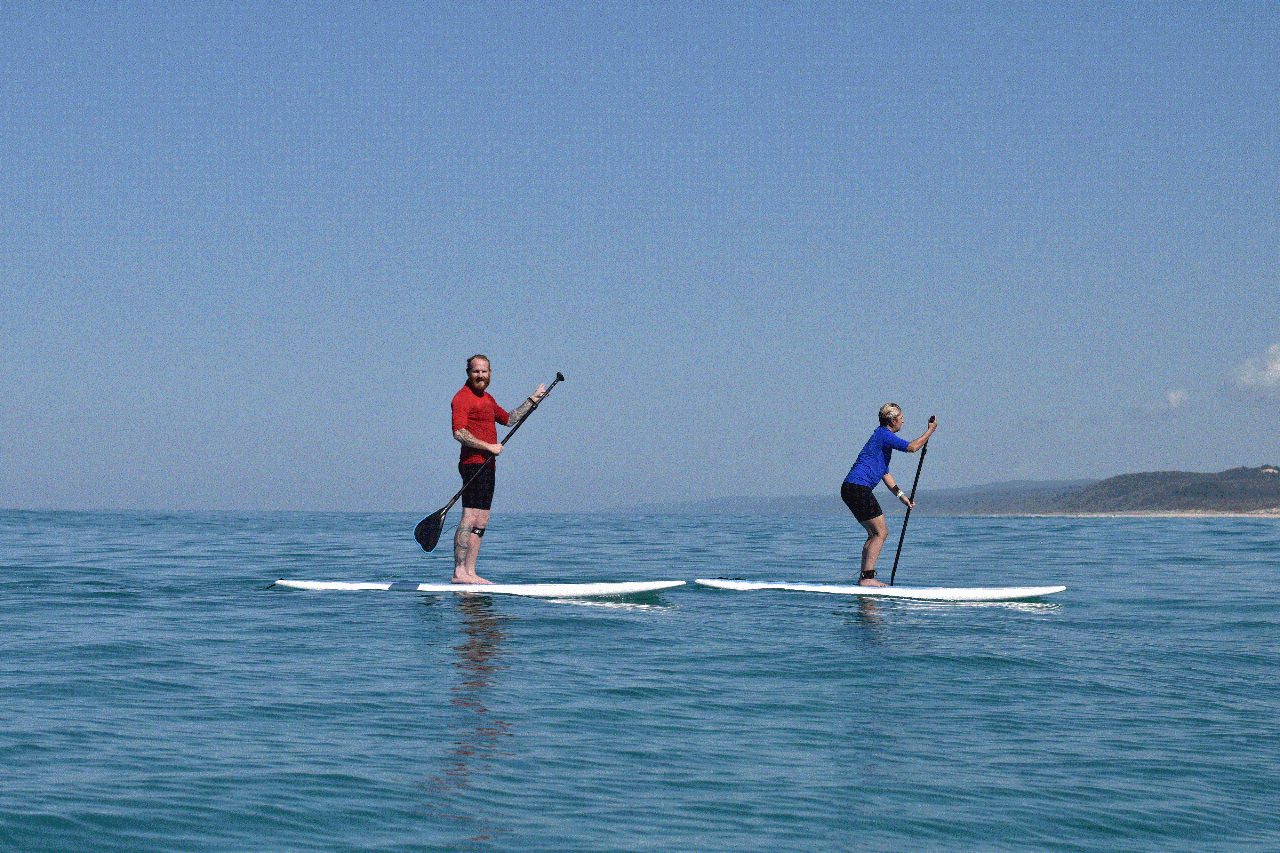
x,y
1237,491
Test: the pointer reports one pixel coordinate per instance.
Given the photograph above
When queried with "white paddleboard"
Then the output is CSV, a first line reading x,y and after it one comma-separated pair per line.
x,y
539,590
927,593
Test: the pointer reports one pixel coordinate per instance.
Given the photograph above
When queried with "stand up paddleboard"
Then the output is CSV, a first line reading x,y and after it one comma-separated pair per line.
x,y
538,590
926,593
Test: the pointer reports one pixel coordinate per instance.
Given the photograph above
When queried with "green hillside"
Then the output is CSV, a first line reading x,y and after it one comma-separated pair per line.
x,y
1237,490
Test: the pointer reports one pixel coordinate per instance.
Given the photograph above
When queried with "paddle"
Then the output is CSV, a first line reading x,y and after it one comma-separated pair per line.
x,y
907,517
428,530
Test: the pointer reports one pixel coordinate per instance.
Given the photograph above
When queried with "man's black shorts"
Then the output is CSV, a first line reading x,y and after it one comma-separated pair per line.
x,y
860,501
478,495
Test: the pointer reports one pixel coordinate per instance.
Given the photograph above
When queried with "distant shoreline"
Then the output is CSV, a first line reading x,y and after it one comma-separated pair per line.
x,y
1153,514
1274,512
1237,493
896,516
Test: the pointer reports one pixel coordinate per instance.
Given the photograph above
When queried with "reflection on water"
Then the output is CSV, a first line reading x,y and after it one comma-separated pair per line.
x,y
477,734
1020,606
870,613
866,615
616,604
866,612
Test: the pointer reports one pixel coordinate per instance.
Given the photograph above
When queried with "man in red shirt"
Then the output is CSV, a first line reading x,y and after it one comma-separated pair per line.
x,y
475,418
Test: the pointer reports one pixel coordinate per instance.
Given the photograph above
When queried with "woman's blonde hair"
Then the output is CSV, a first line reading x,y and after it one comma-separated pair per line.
x,y
888,412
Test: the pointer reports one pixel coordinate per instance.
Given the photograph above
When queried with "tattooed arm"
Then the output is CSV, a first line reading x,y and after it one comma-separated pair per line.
x,y
523,409
468,440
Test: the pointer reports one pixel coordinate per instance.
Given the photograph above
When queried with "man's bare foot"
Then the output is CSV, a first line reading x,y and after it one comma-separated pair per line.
x,y
871,582
476,579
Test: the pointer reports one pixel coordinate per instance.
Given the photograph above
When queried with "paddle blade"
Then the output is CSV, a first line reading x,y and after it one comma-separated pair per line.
x,y
428,530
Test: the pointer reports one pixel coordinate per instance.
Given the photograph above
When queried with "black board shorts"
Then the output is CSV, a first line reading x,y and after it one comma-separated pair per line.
x,y
479,494
860,501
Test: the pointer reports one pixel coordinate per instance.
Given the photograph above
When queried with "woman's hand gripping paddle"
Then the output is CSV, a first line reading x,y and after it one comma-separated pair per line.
x,y
428,530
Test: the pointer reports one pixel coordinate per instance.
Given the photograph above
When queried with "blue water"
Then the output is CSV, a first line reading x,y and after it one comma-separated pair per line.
x,y
158,695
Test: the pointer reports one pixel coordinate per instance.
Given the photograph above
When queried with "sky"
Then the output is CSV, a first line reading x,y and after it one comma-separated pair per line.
x,y
246,248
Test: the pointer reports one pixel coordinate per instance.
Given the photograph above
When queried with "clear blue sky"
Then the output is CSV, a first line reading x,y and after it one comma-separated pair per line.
x,y
245,248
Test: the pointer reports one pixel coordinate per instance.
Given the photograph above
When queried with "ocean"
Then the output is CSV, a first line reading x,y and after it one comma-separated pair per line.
x,y
160,695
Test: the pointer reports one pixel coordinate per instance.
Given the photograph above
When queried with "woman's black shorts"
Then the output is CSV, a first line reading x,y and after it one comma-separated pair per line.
x,y
479,494
860,501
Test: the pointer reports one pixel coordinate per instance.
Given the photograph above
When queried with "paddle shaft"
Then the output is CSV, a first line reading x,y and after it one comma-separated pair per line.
x,y
907,517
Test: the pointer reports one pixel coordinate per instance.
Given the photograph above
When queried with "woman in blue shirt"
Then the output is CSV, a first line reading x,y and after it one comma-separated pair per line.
x,y
872,466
